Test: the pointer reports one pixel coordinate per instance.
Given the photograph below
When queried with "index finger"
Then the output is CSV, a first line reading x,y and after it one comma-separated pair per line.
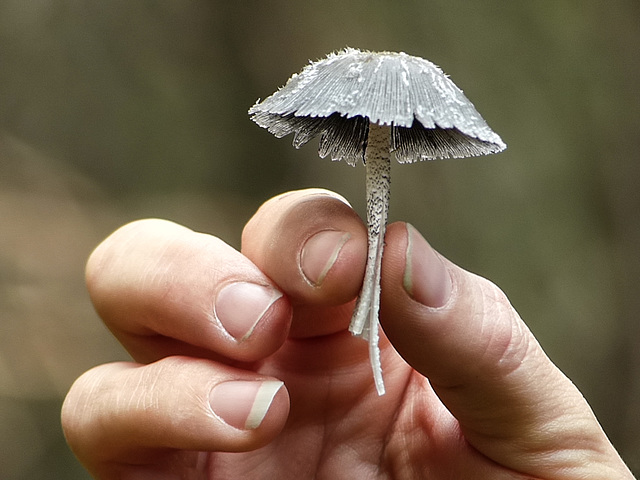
x,y
314,246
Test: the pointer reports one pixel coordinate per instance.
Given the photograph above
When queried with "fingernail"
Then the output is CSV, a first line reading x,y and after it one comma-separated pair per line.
x,y
243,404
240,306
319,253
426,279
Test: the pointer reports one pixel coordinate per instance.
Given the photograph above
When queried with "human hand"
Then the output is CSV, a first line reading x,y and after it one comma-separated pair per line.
x,y
214,332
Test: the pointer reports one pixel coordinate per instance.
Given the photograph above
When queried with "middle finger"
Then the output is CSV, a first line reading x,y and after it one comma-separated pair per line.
x,y
163,290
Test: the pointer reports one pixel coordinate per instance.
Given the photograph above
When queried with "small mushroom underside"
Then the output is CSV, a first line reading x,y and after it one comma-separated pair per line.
x,y
343,138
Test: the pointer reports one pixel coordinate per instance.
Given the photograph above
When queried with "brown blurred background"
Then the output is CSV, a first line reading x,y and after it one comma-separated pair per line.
x,y
112,111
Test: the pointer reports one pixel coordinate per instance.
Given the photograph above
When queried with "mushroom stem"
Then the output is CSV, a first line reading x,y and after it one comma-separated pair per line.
x,y
364,322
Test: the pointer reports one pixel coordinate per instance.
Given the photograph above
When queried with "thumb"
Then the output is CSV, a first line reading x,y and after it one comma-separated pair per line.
x,y
460,331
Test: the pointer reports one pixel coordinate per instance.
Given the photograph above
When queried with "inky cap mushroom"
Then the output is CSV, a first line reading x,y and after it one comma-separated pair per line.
x,y
365,106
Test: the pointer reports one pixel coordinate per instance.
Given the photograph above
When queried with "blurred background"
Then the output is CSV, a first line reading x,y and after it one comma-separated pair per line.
x,y
113,111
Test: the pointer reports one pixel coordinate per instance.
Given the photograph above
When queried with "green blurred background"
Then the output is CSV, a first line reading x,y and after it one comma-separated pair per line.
x,y
112,111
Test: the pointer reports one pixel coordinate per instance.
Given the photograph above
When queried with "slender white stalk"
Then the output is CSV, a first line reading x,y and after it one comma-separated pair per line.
x,y
364,322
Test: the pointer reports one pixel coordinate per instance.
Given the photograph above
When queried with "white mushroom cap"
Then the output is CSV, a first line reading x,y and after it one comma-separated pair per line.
x,y
338,96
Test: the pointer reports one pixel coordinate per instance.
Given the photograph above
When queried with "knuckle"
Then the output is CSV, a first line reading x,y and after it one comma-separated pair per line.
x,y
508,341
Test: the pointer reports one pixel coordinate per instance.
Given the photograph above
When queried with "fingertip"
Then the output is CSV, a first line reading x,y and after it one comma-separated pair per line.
x,y
320,253
249,405
240,306
311,243
426,278
332,264
252,321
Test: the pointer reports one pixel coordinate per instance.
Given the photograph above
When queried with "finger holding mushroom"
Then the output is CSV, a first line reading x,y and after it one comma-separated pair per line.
x,y
366,106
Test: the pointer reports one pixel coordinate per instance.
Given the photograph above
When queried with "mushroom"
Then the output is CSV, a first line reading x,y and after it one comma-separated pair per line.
x,y
365,106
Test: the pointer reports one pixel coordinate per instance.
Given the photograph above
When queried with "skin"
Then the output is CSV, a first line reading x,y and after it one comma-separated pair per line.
x,y
494,407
